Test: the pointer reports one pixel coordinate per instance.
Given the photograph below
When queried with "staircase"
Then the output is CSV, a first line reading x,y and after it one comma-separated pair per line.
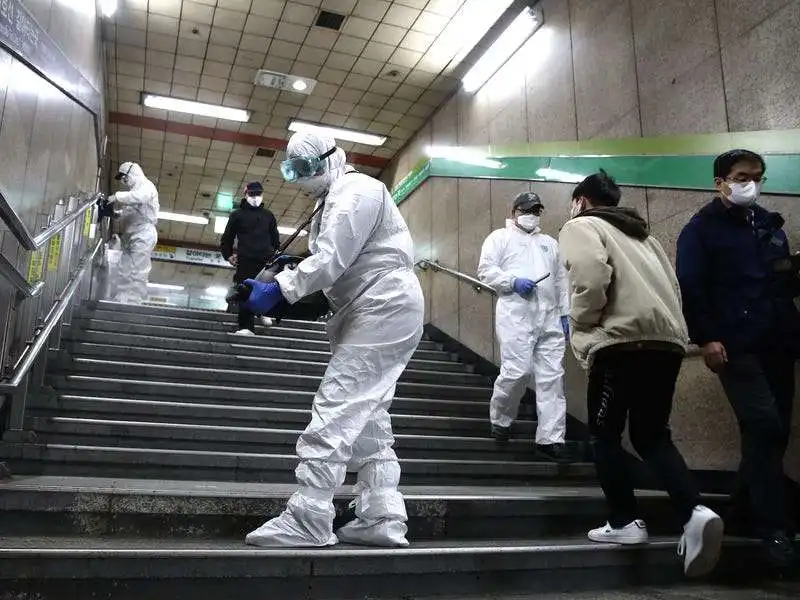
x,y
162,439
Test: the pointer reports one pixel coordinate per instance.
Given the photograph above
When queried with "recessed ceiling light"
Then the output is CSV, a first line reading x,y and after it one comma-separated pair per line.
x,y
300,85
338,133
196,108
284,82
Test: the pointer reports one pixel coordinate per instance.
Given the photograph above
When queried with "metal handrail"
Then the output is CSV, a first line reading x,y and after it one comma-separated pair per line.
x,y
15,278
42,333
33,242
436,267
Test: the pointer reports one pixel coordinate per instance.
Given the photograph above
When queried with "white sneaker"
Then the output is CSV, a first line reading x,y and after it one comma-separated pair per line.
x,y
245,332
701,541
634,532
266,321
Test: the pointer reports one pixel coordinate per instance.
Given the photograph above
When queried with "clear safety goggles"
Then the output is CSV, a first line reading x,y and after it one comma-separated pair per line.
x,y
302,167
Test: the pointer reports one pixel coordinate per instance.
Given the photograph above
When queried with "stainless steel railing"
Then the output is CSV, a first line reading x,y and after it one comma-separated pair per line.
x,y
47,284
436,267
33,242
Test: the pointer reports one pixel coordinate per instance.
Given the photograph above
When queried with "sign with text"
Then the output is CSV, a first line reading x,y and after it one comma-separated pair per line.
x,y
193,256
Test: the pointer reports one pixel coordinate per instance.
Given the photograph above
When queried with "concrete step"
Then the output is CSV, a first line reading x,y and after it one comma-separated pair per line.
x,y
283,331
102,507
123,461
113,328
192,313
251,378
244,362
75,338
272,398
81,431
410,416
51,568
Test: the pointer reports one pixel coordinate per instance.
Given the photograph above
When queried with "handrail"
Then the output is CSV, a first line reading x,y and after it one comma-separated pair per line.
x,y
34,347
15,278
34,242
476,284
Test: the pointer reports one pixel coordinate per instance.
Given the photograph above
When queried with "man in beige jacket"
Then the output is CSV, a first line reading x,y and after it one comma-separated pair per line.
x,y
627,328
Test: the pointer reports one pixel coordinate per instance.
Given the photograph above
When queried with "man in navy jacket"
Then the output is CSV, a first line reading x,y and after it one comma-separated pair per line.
x,y
740,311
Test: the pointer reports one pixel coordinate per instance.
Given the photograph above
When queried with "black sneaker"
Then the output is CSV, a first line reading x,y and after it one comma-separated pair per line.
x,y
779,552
555,452
500,434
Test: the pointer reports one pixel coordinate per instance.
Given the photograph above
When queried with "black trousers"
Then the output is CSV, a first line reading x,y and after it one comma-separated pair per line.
x,y
247,269
760,389
636,385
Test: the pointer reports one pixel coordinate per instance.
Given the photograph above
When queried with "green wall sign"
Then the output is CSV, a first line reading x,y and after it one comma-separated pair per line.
x,y
689,169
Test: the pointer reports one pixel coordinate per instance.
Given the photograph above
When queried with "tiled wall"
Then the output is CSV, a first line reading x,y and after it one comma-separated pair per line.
x,y
47,141
603,69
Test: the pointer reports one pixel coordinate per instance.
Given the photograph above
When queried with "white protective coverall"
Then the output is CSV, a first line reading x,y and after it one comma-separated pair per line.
x,y
532,341
137,217
362,258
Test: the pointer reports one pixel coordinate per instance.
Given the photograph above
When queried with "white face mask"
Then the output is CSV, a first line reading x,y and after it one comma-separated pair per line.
x,y
744,194
528,222
576,209
255,201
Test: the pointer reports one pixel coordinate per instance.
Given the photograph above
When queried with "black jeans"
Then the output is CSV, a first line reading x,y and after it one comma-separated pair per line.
x,y
760,389
636,384
247,269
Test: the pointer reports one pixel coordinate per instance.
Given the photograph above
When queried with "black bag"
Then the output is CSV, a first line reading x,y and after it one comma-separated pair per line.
x,y
310,308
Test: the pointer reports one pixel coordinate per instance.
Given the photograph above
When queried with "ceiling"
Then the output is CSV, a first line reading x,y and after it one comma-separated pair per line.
x,y
385,71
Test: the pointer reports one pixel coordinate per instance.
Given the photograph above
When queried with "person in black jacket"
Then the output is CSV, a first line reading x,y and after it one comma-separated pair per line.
x,y
740,311
255,231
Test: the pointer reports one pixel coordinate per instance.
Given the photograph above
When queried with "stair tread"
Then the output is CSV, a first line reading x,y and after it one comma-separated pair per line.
x,y
232,489
133,547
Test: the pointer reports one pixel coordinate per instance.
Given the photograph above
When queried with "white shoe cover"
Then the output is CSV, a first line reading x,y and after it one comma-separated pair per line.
x,y
284,531
385,533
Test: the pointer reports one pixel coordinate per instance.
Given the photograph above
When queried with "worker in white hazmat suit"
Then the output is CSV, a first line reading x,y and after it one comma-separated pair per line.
x,y
137,214
523,265
362,258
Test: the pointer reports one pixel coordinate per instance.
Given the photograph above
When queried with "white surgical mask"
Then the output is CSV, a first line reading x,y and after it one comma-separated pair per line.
x,y
744,194
528,222
255,201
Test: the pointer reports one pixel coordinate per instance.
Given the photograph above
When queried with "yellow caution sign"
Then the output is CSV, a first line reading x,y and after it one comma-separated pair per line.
x,y
36,267
54,253
87,222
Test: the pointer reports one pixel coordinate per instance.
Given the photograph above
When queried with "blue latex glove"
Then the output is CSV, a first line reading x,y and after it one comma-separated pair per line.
x,y
524,287
565,325
264,297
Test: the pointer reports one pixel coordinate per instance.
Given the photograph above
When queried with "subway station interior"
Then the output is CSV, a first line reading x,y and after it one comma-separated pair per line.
x,y
146,435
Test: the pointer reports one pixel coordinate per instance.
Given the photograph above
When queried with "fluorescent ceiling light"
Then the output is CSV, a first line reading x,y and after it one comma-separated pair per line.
x,y
347,135
468,27
108,7
168,216
467,156
217,291
300,85
221,222
196,108
166,286
516,34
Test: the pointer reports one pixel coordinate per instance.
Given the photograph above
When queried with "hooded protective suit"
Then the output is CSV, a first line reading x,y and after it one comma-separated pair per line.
x,y
529,330
362,258
137,218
